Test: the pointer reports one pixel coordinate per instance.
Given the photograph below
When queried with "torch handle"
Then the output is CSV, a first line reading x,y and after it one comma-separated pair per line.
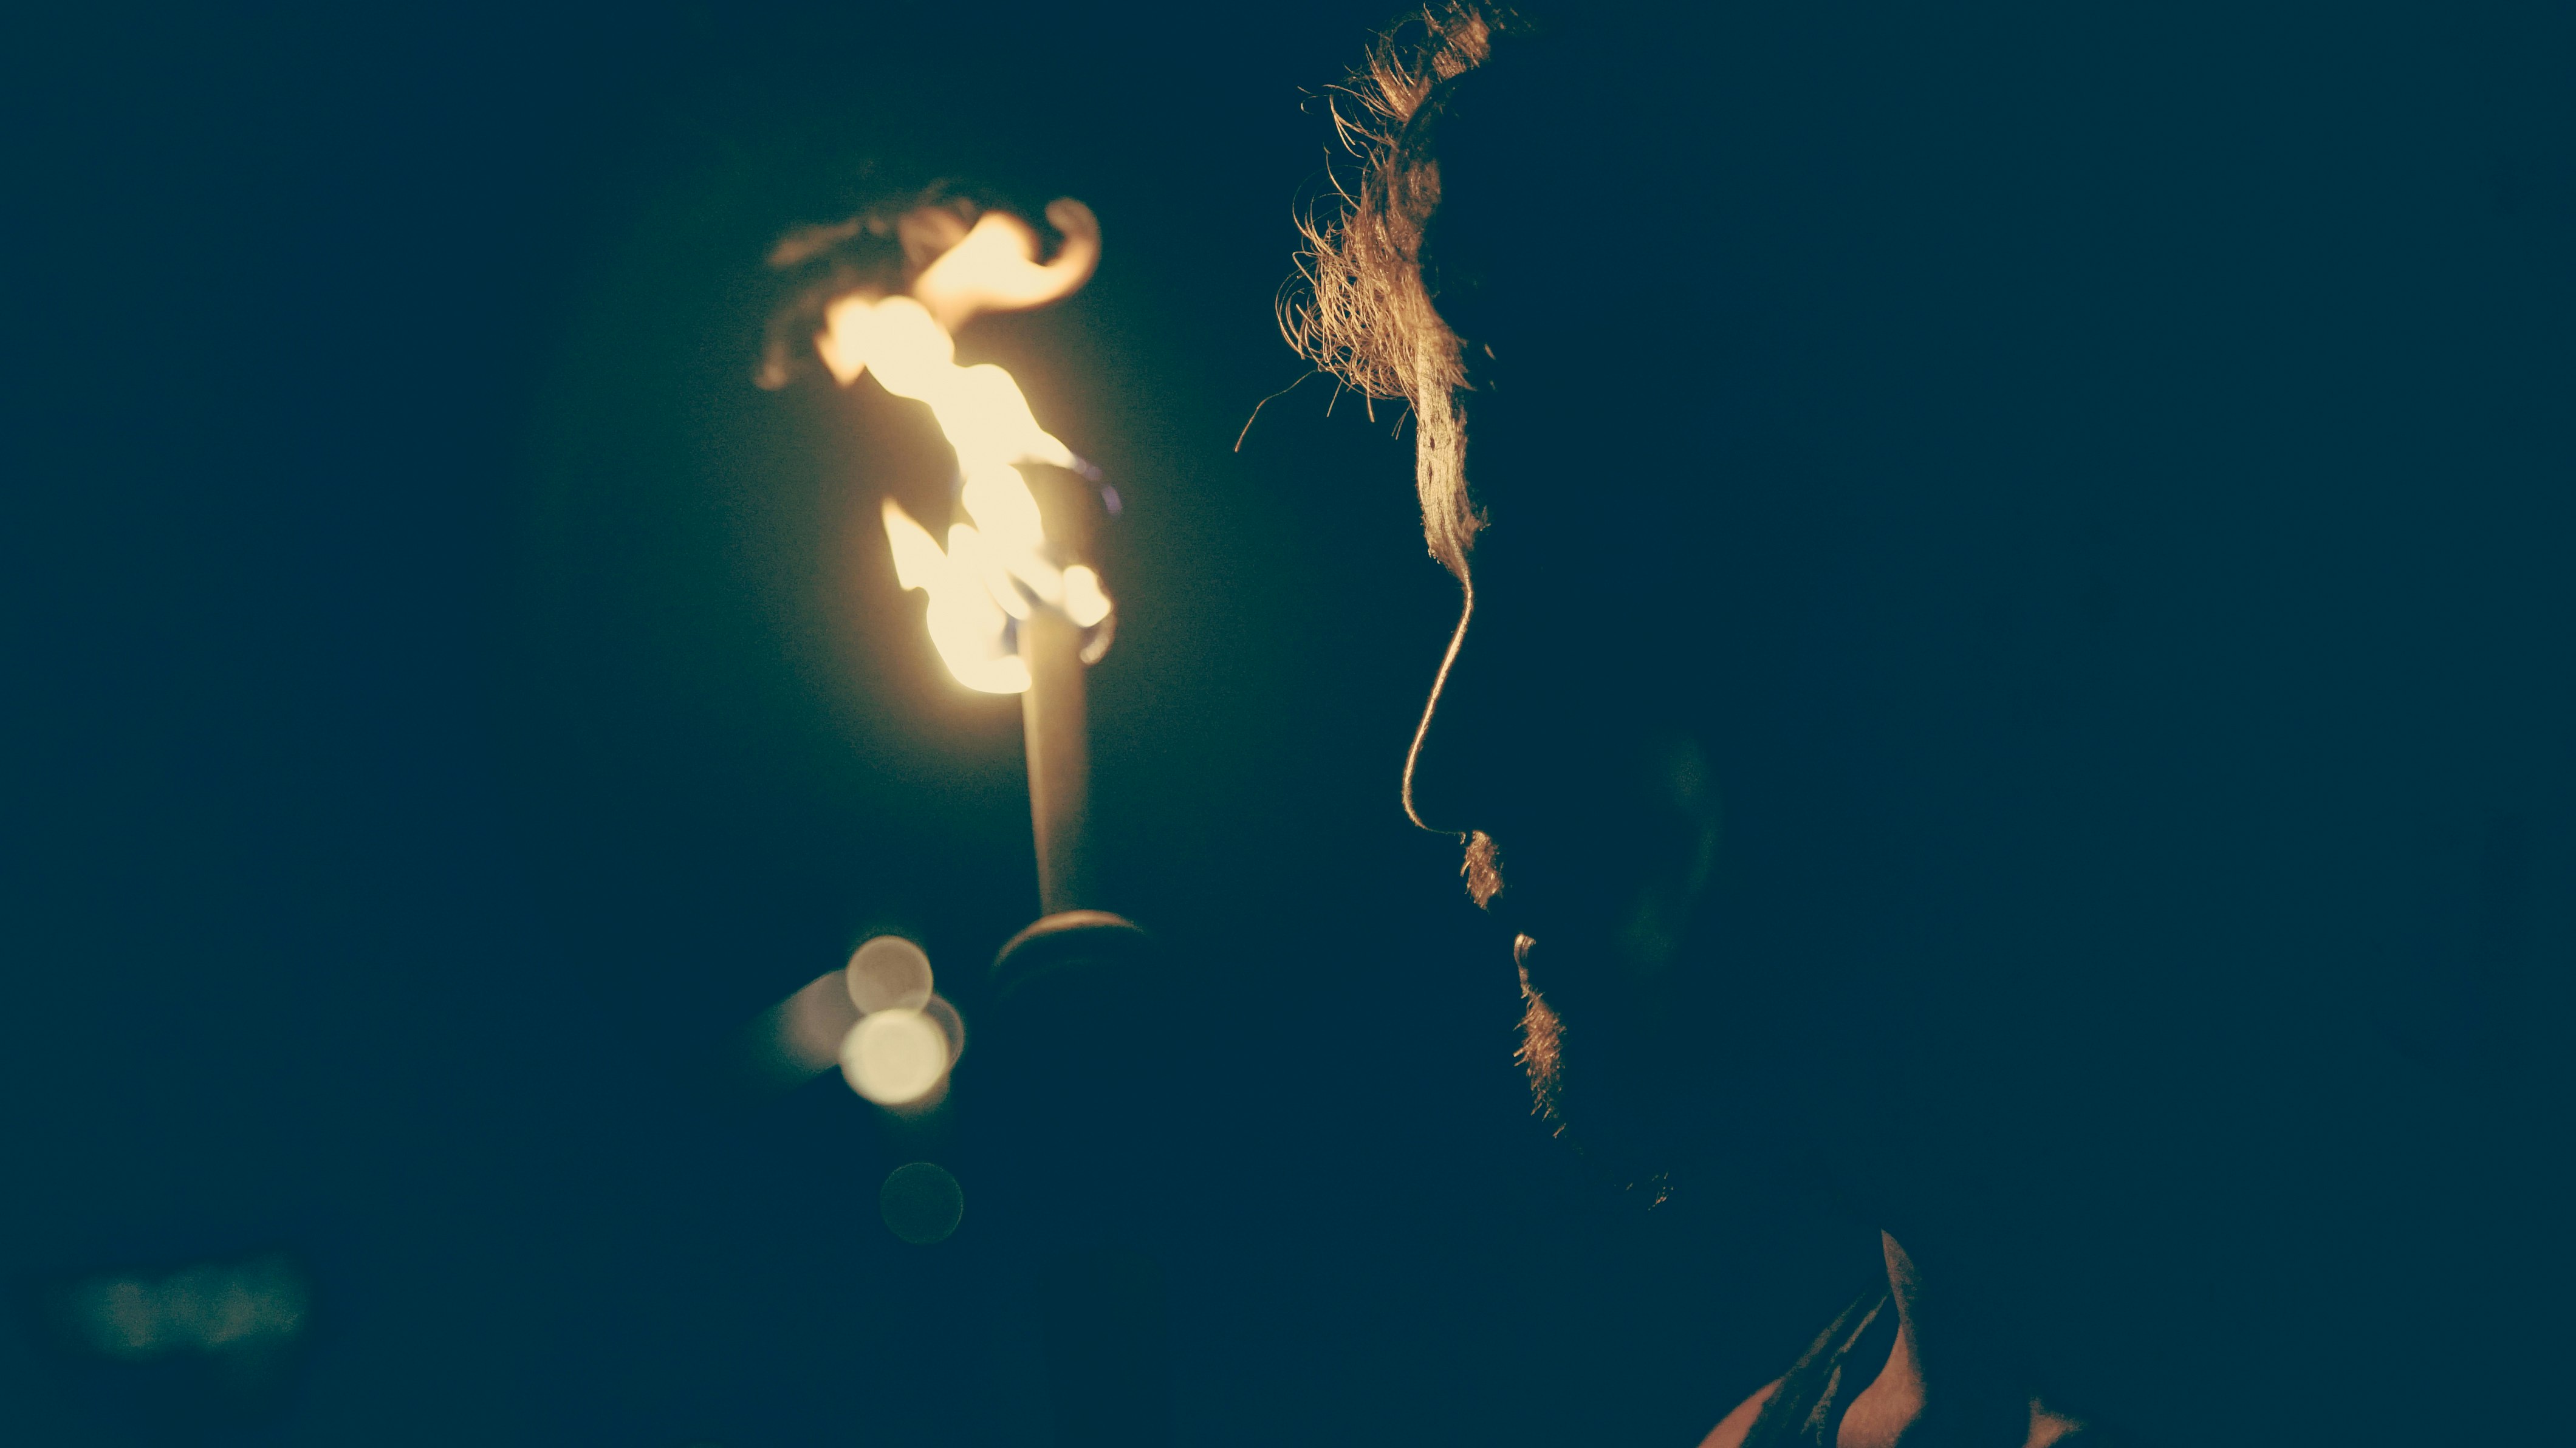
x,y
1052,716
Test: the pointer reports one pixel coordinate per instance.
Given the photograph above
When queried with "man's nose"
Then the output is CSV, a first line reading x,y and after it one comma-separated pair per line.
x,y
1457,748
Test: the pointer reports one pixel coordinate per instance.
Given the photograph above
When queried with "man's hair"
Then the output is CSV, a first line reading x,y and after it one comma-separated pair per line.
x,y
1358,307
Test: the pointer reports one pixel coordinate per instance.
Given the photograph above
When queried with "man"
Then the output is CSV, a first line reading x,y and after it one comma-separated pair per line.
x,y
2000,559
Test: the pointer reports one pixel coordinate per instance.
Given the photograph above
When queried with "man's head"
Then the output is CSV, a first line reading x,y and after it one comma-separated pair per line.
x,y
2017,607
1947,500
1484,271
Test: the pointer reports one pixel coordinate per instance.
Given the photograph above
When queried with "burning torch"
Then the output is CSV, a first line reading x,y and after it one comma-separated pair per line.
x,y
1015,608
1015,605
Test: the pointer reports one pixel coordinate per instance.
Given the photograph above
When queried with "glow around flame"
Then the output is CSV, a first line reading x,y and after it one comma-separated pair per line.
x,y
997,569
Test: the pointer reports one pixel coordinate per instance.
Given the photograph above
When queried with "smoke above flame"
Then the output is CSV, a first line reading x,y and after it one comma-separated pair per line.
x,y
996,568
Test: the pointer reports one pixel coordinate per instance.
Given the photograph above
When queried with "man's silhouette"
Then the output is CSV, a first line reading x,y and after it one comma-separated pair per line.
x,y
2018,658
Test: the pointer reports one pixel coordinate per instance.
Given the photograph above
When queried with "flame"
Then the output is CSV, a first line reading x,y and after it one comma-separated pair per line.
x,y
995,267
967,627
1084,603
997,569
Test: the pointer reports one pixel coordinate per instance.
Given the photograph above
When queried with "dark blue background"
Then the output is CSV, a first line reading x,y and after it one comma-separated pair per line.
x,y
445,698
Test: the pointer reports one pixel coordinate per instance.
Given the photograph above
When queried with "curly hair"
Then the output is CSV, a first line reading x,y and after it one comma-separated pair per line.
x,y
1358,306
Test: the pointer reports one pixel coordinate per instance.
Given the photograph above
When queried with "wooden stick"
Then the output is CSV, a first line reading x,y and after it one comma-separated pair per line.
x,y
1051,714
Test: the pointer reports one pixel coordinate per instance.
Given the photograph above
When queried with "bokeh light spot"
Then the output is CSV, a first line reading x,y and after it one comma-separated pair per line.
x,y
922,1203
951,1025
810,1024
894,1057
888,972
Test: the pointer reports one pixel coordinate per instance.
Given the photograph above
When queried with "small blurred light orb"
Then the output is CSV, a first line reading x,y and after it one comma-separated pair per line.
x,y
888,972
951,1024
895,1056
922,1203
812,1022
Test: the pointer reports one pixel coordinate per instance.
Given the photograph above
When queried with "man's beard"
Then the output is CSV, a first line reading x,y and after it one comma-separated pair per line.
x,y
1599,1046
1603,1083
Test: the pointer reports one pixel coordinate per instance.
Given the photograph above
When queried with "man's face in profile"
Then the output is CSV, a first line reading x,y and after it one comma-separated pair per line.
x,y
1563,744
1573,479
